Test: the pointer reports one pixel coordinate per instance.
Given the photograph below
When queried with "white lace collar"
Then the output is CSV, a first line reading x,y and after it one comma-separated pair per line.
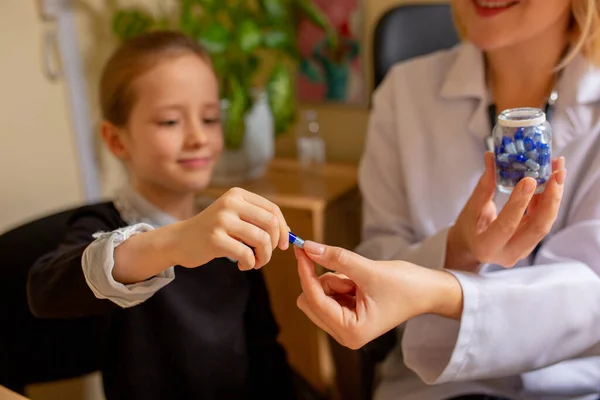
x,y
134,209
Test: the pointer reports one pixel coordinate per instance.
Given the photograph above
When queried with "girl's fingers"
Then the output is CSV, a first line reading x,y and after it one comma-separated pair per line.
x,y
236,250
252,236
272,208
262,219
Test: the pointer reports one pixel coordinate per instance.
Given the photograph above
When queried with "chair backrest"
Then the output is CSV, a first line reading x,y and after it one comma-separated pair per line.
x,y
411,30
34,350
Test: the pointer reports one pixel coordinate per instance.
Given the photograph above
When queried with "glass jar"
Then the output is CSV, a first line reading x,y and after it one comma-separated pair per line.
x,y
523,148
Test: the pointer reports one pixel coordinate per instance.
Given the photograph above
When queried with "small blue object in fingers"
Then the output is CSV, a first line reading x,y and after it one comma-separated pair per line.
x,y
296,241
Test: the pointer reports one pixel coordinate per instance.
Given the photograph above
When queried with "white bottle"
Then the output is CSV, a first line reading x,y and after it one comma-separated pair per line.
x,y
310,144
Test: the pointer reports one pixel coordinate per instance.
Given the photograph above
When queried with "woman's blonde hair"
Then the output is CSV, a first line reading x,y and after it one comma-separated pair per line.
x,y
585,23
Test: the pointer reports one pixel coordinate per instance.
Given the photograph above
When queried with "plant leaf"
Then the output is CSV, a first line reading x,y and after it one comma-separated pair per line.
x,y
319,19
234,114
276,10
215,38
281,97
249,36
132,22
310,69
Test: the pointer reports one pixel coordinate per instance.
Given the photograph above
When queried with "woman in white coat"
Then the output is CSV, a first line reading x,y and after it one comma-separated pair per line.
x,y
475,327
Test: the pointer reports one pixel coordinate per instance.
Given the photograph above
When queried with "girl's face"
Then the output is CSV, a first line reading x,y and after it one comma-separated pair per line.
x,y
173,136
494,24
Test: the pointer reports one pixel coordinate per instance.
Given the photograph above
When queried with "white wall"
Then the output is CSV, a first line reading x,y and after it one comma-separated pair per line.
x,y
37,157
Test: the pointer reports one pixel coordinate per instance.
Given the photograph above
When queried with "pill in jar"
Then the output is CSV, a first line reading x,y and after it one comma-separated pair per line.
x,y
522,147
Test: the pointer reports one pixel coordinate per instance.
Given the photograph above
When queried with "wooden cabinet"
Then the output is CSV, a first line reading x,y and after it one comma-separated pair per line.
x,y
321,204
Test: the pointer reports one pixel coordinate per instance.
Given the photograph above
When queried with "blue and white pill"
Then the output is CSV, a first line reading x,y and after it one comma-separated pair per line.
x,y
295,240
519,167
520,146
532,174
532,155
510,148
503,158
532,165
529,144
543,158
517,158
519,133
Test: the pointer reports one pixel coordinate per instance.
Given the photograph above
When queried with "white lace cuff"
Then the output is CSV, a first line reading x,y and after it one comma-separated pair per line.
x,y
98,262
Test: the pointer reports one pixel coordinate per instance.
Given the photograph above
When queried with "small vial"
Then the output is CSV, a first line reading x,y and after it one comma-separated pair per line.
x,y
523,143
310,145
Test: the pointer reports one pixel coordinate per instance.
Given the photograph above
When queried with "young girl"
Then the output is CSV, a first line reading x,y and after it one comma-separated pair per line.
x,y
182,321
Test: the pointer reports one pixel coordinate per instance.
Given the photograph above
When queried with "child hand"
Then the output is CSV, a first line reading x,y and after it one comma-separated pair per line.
x,y
230,227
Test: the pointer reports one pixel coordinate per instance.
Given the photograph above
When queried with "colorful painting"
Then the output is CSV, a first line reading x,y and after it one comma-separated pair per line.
x,y
333,75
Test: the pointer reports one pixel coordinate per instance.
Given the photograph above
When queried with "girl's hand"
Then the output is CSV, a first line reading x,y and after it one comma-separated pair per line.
x,y
230,227
480,235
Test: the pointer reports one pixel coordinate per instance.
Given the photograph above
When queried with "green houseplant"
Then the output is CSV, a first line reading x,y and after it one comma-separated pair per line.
x,y
247,39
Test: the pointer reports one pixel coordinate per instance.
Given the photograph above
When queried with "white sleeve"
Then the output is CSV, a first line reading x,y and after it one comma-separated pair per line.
x,y
386,232
524,319
98,262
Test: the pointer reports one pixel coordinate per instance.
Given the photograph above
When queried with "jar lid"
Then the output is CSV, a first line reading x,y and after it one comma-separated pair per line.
x,y
521,117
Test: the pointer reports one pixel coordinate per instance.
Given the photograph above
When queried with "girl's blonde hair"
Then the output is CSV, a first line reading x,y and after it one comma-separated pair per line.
x,y
133,59
585,22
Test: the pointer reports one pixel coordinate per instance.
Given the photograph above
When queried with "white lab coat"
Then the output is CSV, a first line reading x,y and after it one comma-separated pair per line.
x,y
531,332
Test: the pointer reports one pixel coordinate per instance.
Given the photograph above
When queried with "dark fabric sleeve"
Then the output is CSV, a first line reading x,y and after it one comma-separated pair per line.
x,y
56,287
269,372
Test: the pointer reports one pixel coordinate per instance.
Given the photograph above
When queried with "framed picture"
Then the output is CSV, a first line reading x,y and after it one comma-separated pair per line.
x,y
333,75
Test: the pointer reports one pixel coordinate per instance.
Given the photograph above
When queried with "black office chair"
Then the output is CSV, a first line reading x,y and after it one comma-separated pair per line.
x,y
408,31
34,350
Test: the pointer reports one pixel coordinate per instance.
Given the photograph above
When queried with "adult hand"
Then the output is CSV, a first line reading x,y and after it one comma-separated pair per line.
x,y
480,235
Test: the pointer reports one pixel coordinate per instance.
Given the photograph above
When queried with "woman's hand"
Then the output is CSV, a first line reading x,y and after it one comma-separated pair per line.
x,y
480,235
366,298
232,226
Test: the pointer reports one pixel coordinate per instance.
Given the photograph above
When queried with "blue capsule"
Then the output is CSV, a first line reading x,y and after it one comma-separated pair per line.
x,y
519,134
532,165
529,144
520,146
541,181
295,240
510,148
542,147
519,167
503,158
532,155
544,171
517,158
504,174
516,176
532,174
543,158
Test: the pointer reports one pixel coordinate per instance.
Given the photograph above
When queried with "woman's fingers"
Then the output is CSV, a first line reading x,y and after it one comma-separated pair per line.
x,y
319,302
304,305
499,232
540,222
485,189
334,284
